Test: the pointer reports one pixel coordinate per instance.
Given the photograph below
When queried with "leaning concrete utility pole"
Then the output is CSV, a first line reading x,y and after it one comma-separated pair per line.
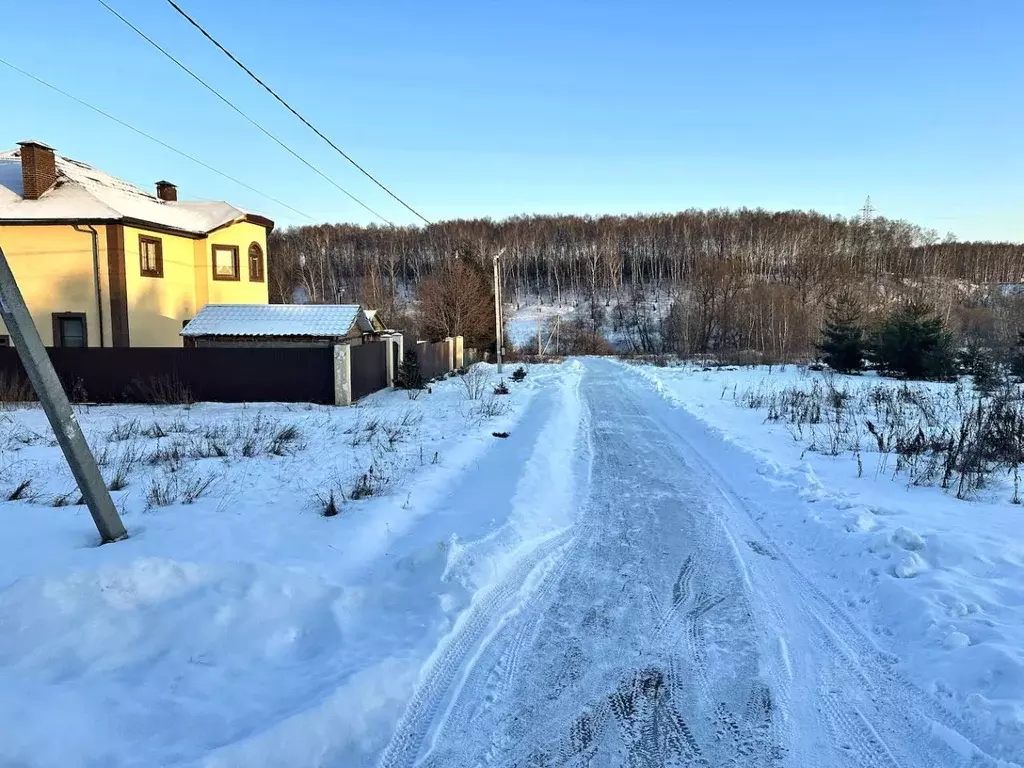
x,y
56,406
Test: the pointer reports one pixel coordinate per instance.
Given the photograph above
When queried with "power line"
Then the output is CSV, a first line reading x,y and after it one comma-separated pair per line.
x,y
152,138
223,98
291,109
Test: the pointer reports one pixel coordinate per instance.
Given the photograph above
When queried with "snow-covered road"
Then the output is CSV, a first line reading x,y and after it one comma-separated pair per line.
x,y
655,621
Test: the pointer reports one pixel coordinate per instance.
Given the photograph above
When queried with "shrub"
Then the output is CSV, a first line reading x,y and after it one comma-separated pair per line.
x,y
172,455
912,343
125,463
123,430
160,493
160,390
193,487
284,441
14,389
326,503
370,483
519,374
172,487
154,431
474,381
488,409
950,438
843,346
501,389
408,375
20,491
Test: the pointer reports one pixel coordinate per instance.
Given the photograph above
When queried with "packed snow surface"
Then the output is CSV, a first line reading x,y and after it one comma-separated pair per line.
x,y
641,573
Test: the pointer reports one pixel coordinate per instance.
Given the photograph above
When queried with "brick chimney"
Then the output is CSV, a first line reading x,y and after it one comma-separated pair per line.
x,y
166,191
38,168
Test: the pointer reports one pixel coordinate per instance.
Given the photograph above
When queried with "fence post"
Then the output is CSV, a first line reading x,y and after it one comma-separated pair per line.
x,y
460,353
389,361
342,374
449,347
395,342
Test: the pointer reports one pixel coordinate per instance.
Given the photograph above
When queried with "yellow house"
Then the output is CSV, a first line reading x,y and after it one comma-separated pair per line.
x,y
102,263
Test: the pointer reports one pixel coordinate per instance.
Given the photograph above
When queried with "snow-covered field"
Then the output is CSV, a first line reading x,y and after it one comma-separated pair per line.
x,y
243,628
641,572
521,324
937,581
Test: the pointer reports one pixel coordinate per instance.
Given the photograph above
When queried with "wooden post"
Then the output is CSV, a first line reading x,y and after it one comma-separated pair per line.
x,y
56,406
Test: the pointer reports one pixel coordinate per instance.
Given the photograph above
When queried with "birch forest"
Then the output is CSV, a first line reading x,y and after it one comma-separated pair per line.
x,y
740,282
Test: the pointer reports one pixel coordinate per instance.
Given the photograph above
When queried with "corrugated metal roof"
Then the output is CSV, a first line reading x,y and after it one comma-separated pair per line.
x,y
320,320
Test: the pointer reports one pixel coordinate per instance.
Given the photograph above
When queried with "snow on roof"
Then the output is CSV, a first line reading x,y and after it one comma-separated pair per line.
x,y
83,192
365,320
10,176
318,320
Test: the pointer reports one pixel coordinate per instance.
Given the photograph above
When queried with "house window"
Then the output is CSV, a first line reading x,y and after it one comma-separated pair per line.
x,y
225,262
255,263
151,256
69,329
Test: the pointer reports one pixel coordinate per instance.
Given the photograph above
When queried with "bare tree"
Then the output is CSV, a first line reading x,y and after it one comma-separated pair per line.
x,y
457,300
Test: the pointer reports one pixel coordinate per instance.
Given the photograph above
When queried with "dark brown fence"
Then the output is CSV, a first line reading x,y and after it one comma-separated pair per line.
x,y
369,368
470,356
433,358
219,374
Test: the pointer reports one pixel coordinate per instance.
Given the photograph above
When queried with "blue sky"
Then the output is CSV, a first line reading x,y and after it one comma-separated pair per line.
x,y
491,108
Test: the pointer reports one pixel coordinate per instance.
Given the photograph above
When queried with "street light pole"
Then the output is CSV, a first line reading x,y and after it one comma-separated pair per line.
x,y
56,406
498,325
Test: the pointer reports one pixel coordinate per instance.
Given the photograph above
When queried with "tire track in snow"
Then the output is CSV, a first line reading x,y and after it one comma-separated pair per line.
x,y
451,666
443,669
490,672
893,735
582,696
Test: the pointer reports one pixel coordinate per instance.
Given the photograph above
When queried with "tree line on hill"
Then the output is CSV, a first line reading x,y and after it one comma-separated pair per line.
x,y
740,282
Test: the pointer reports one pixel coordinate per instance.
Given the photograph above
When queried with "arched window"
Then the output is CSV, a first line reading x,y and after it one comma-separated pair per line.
x,y
255,263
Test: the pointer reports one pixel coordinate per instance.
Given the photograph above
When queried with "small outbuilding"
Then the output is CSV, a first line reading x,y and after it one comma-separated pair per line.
x,y
280,325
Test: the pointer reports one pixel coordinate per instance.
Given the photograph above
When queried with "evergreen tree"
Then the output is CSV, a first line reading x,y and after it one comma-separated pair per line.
x,y
408,375
913,344
978,362
843,346
1017,357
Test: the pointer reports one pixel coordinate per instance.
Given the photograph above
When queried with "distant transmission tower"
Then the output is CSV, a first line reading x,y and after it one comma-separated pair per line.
x,y
867,213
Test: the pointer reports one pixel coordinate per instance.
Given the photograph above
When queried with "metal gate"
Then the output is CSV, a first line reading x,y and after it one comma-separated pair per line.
x,y
369,368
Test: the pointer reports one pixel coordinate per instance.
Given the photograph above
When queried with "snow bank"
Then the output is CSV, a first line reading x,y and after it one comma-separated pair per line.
x,y
936,581
244,628
543,503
